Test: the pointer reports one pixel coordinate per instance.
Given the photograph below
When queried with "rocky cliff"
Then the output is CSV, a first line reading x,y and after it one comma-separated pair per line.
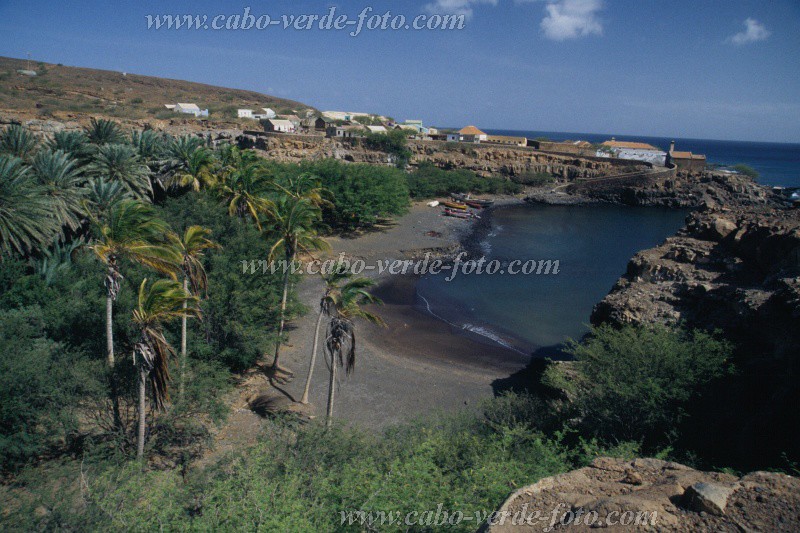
x,y
735,270
652,495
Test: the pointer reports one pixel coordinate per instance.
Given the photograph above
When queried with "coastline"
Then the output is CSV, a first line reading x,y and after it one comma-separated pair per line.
x,y
418,364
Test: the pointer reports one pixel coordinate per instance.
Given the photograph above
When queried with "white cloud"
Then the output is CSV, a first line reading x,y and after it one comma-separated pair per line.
x,y
754,31
570,19
455,7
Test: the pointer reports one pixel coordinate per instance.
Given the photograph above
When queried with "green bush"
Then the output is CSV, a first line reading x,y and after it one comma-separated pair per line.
x,y
746,170
361,194
40,388
635,383
429,181
394,143
533,179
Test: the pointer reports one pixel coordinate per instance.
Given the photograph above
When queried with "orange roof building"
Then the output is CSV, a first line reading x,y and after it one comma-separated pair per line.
x,y
625,145
470,130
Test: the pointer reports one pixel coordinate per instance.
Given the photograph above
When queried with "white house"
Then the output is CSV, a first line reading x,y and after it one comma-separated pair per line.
x,y
269,113
635,151
190,109
278,125
245,113
376,129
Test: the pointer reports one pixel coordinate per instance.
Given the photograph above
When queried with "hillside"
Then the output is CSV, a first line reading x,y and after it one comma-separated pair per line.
x,y
59,91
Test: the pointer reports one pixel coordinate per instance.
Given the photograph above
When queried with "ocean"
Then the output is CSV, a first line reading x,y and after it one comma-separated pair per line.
x,y
778,163
592,244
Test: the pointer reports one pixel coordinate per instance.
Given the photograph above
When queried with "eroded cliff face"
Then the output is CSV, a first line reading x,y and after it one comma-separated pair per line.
x,y
735,270
483,160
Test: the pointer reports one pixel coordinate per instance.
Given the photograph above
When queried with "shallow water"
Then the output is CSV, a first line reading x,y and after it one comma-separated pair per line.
x,y
592,245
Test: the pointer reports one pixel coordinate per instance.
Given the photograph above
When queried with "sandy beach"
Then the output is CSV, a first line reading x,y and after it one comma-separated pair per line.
x,y
418,364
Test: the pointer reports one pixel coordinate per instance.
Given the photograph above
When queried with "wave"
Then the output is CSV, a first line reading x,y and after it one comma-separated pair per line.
x,y
477,330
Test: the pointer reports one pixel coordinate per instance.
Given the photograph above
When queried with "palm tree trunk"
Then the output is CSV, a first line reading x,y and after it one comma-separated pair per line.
x,y
110,330
304,400
110,359
331,389
182,379
283,318
142,412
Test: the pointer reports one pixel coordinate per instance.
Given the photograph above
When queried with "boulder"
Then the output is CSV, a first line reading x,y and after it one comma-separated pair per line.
x,y
708,497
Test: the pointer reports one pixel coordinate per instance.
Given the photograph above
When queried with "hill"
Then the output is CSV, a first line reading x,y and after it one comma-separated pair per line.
x,y
58,91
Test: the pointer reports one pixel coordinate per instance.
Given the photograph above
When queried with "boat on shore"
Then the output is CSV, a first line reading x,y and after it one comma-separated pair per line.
x,y
458,214
454,205
479,204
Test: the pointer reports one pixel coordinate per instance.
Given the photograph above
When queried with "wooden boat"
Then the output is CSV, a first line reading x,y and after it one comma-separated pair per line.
x,y
454,205
458,214
479,204
459,197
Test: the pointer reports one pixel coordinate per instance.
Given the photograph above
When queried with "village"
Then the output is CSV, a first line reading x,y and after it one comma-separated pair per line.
x,y
347,125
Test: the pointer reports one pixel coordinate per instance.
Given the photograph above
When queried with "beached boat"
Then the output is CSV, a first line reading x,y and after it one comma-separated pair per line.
x,y
454,205
459,197
479,204
458,214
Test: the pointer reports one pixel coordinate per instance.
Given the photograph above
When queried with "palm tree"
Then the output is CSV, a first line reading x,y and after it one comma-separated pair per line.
x,y
304,185
149,146
162,302
74,143
26,221
340,342
102,131
129,230
292,221
57,174
18,141
191,247
243,185
195,172
327,304
101,196
120,162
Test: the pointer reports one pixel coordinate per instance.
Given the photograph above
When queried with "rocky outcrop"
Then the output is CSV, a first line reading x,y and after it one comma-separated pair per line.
x,y
614,494
734,269
663,189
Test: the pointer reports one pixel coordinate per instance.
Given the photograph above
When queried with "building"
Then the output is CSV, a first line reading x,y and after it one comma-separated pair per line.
x,y
347,116
446,137
190,109
634,151
376,129
244,113
278,125
471,134
686,161
294,119
506,140
322,123
345,132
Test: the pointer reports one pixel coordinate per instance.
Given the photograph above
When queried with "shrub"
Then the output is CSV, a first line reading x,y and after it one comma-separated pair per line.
x,y
635,383
429,181
746,170
394,143
533,179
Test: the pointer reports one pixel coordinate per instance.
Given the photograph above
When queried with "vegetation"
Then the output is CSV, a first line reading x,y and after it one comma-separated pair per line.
x,y
429,181
533,179
636,383
106,240
746,170
394,143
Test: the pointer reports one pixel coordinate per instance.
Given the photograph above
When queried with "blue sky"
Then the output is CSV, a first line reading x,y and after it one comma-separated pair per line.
x,y
706,69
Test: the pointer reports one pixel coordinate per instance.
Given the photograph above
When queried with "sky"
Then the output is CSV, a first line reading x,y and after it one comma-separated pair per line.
x,y
715,69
